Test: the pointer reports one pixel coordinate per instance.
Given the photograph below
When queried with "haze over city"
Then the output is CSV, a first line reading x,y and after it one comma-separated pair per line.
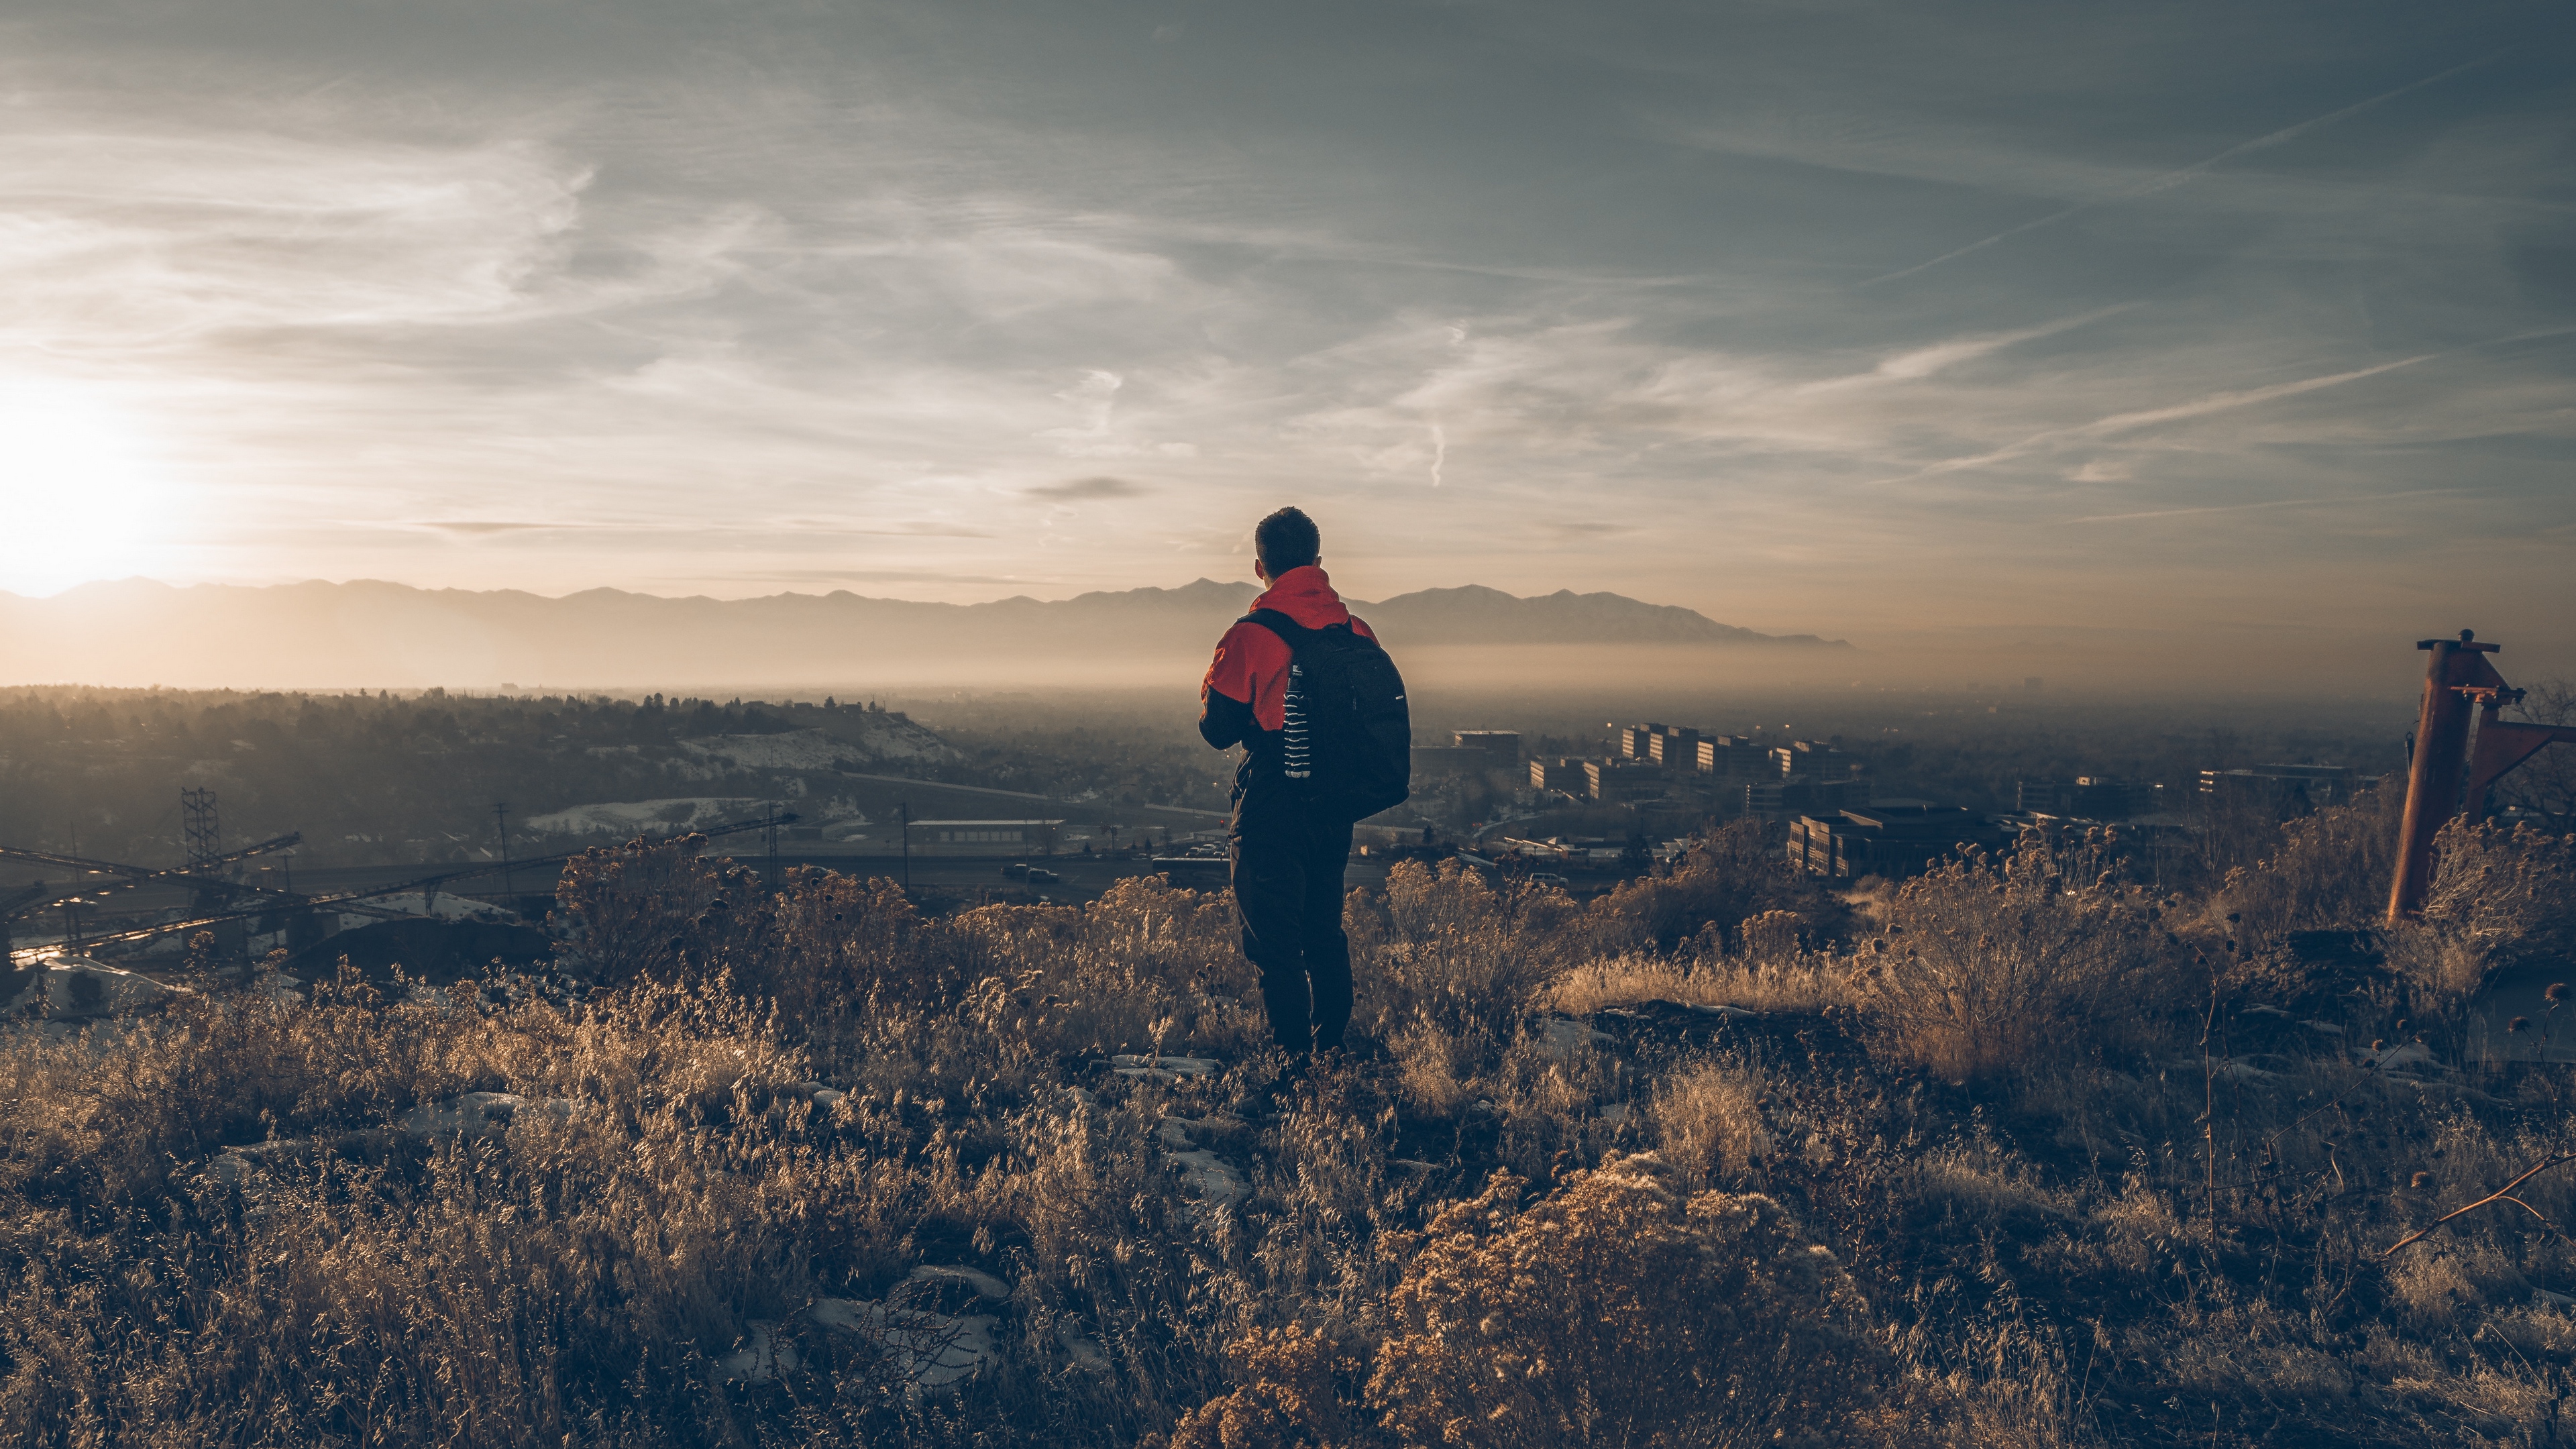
x,y
1881,322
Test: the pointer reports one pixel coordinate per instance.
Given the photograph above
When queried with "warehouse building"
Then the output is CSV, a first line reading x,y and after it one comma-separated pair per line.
x,y
984,837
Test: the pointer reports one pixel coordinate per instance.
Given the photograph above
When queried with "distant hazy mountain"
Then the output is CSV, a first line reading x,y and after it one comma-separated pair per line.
x,y
1477,615
375,634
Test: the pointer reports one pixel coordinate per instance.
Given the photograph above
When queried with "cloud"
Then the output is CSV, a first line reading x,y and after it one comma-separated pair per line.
x,y
2171,179
387,304
886,530
1085,490
481,528
2346,501
2200,407
864,576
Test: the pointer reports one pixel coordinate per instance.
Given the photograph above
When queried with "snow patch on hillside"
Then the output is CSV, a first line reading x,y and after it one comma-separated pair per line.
x,y
626,818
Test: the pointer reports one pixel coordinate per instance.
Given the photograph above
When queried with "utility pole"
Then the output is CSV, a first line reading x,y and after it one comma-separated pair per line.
x,y
903,812
509,880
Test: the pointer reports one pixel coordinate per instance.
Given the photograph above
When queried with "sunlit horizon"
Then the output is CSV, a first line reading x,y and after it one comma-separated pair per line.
x,y
1916,324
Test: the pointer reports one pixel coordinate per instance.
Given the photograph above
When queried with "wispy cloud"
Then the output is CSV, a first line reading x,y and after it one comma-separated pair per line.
x,y
484,528
1085,490
865,576
2200,407
2171,179
2340,501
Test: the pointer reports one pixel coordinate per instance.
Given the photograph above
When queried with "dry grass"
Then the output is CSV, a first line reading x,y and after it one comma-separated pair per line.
x,y
1708,1117
1791,980
2074,1190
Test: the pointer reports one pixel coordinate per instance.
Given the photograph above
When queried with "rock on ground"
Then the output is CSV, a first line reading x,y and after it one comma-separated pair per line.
x,y
933,1353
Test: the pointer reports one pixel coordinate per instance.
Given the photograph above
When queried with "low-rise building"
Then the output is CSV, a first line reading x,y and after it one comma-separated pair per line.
x,y
1886,838
1781,798
1820,758
1439,761
1617,780
2285,787
984,837
1564,773
1503,745
2086,797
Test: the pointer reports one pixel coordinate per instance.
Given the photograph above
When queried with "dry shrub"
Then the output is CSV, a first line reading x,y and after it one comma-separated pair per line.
x,y
1772,934
2331,869
648,908
2498,895
1445,947
1708,1117
1298,1390
1618,1311
1735,872
1428,1059
1999,965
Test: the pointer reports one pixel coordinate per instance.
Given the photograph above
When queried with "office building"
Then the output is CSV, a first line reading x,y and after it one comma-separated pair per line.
x,y
1634,741
1730,757
1674,748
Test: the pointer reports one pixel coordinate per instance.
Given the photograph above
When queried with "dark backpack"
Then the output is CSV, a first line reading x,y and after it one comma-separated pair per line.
x,y
1347,742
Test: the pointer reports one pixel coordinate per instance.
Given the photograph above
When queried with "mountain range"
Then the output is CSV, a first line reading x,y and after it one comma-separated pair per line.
x,y
367,633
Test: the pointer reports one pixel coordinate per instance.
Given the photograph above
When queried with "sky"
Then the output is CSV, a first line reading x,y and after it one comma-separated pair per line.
x,y
1881,320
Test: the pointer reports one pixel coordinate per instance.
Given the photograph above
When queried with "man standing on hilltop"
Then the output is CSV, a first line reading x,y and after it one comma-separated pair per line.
x,y
1320,712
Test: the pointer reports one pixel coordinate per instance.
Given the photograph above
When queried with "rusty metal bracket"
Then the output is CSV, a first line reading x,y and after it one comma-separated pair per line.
x,y
2503,744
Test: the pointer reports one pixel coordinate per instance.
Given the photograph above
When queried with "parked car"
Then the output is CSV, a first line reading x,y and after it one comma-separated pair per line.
x,y
1550,878
1040,876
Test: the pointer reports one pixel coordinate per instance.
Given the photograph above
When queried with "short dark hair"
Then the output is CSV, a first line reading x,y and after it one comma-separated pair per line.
x,y
1286,540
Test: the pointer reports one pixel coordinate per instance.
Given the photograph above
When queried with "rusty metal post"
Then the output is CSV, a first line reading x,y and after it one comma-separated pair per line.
x,y
2441,760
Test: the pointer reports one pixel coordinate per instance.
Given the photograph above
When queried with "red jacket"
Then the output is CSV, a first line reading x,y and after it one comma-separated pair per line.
x,y
1244,699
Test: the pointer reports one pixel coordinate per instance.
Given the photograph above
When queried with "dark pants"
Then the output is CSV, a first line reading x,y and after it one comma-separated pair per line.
x,y
1288,890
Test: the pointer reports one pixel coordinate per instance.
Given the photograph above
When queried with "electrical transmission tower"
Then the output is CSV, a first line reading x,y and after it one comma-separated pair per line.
x,y
509,880
204,830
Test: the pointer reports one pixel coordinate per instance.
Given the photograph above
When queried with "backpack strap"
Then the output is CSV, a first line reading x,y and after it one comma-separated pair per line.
x,y
1290,632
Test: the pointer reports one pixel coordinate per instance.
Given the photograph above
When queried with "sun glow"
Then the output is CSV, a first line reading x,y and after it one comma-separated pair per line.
x,y
80,498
